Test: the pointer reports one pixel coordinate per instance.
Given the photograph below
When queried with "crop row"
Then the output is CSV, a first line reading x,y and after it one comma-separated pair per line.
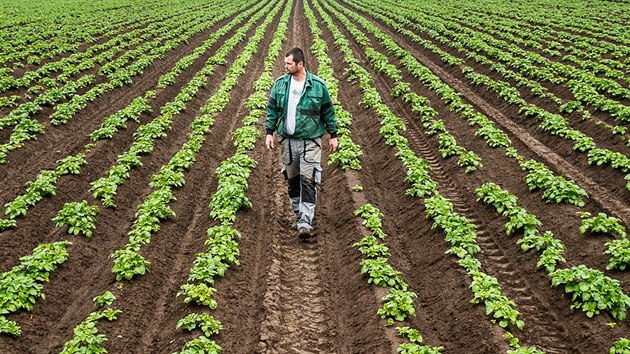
x,y
21,286
79,217
45,183
539,177
460,233
348,153
398,304
222,248
584,84
39,40
80,61
555,188
592,290
105,188
127,261
27,129
553,123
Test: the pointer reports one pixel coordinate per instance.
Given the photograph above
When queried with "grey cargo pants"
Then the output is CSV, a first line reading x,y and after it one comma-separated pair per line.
x,y
301,166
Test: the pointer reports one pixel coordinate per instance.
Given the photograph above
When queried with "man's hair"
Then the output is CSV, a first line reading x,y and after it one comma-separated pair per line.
x,y
298,55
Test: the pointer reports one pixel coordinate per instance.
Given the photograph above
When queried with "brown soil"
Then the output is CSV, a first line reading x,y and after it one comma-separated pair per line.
x,y
293,297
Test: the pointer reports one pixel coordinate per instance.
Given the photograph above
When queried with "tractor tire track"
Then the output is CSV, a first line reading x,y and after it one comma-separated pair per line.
x,y
296,320
538,313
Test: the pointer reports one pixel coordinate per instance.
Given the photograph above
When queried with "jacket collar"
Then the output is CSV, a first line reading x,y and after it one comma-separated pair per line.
x,y
308,80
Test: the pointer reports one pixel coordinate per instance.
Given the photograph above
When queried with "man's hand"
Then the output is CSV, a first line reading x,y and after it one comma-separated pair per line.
x,y
332,144
269,141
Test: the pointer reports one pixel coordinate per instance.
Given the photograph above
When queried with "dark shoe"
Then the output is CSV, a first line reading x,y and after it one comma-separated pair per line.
x,y
304,233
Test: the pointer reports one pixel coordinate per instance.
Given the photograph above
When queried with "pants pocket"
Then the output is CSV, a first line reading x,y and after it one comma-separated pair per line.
x,y
285,152
317,174
313,150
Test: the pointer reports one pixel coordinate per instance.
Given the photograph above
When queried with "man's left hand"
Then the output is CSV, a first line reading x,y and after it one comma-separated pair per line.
x,y
332,144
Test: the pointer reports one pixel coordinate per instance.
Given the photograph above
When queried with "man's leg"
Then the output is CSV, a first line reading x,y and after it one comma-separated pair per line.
x,y
308,201
310,176
289,159
294,198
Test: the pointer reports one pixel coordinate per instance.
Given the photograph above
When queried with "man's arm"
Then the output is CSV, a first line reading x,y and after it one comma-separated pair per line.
x,y
272,118
328,113
328,116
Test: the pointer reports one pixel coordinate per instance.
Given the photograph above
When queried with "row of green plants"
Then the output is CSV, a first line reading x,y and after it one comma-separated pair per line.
x,y
22,47
80,218
86,338
42,40
140,105
591,290
114,122
583,93
222,248
44,185
21,287
128,262
37,38
552,45
555,188
537,89
619,248
348,153
493,136
27,129
54,93
398,304
73,64
552,71
573,189
459,231
144,137
524,63
131,64
577,42
174,31
553,123
80,61
447,142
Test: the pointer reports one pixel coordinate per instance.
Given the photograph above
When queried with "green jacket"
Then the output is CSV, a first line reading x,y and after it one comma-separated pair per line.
x,y
314,112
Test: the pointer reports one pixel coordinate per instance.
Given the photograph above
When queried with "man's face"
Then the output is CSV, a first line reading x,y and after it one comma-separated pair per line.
x,y
290,66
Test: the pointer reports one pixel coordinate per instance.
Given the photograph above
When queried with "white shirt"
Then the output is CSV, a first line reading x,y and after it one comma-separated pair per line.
x,y
296,88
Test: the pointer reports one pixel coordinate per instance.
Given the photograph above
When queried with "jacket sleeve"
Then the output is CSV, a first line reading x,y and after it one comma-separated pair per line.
x,y
272,111
328,113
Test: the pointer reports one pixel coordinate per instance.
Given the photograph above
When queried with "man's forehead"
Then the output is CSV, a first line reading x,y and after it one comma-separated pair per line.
x,y
289,59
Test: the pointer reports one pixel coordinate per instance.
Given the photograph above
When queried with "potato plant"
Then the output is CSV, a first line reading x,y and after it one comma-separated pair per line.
x,y
79,217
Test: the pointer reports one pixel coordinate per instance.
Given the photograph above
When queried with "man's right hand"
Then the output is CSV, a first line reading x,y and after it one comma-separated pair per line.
x,y
269,141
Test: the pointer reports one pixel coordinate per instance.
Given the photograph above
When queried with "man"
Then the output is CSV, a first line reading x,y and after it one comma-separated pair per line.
x,y
300,110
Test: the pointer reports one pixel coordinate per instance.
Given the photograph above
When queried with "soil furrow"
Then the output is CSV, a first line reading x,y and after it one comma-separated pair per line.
x,y
464,186
296,319
287,296
609,201
32,158
89,265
